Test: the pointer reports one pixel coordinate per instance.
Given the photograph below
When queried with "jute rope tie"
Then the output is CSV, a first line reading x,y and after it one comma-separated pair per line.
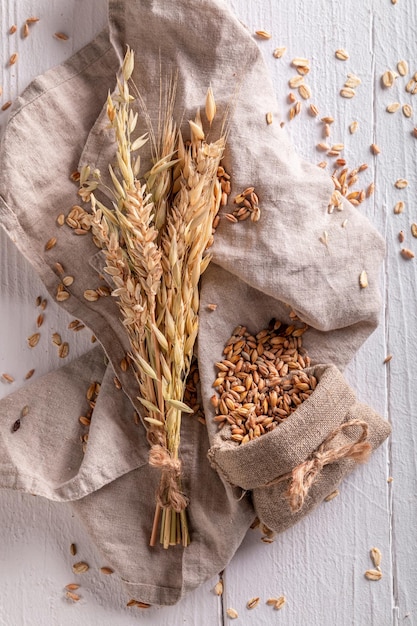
x,y
169,493
304,475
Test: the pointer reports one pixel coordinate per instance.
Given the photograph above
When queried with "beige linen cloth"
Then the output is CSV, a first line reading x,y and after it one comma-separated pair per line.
x,y
258,271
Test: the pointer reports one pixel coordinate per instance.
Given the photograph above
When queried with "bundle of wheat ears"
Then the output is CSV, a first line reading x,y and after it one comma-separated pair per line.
x,y
155,237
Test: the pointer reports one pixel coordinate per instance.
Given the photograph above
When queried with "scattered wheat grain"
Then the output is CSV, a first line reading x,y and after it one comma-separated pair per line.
x,y
410,86
61,36
304,91
402,67
91,295
56,339
232,613
388,79
341,54
300,62
376,556
363,279
393,107
347,92
6,105
63,350
263,34
218,588
313,110
33,340
296,81
373,574
80,568
279,52
407,110
251,604
401,183
407,254
29,374
370,190
72,596
13,58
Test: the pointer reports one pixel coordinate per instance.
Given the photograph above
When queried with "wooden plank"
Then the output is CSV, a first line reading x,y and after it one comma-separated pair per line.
x,y
35,563
319,564
399,149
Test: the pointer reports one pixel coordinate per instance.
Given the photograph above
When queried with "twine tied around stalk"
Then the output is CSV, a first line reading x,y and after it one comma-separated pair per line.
x,y
169,493
304,475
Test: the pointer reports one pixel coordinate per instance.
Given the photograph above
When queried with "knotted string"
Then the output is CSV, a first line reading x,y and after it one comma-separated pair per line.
x,y
168,494
304,475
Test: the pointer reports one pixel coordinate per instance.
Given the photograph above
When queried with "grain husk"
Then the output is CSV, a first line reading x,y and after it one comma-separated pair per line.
x,y
218,588
63,350
72,596
402,67
407,110
80,568
388,79
33,340
341,54
373,574
279,52
407,254
252,603
363,279
263,34
332,495
401,183
376,556
347,92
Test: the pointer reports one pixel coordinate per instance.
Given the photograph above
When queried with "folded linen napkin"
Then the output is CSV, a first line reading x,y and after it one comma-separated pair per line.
x,y
259,270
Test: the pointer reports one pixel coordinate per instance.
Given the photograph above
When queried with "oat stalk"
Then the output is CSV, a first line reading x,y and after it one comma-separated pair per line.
x,y
155,237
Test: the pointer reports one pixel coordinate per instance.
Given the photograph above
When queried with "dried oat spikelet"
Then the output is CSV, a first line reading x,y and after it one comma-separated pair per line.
x,y
210,106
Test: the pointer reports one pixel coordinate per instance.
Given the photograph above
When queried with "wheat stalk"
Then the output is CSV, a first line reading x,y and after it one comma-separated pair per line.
x,y
155,237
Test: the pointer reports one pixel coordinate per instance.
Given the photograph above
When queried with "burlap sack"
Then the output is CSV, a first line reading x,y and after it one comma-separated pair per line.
x,y
290,470
258,271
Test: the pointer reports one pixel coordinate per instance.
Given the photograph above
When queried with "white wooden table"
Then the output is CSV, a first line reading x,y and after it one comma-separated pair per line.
x,y
318,565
